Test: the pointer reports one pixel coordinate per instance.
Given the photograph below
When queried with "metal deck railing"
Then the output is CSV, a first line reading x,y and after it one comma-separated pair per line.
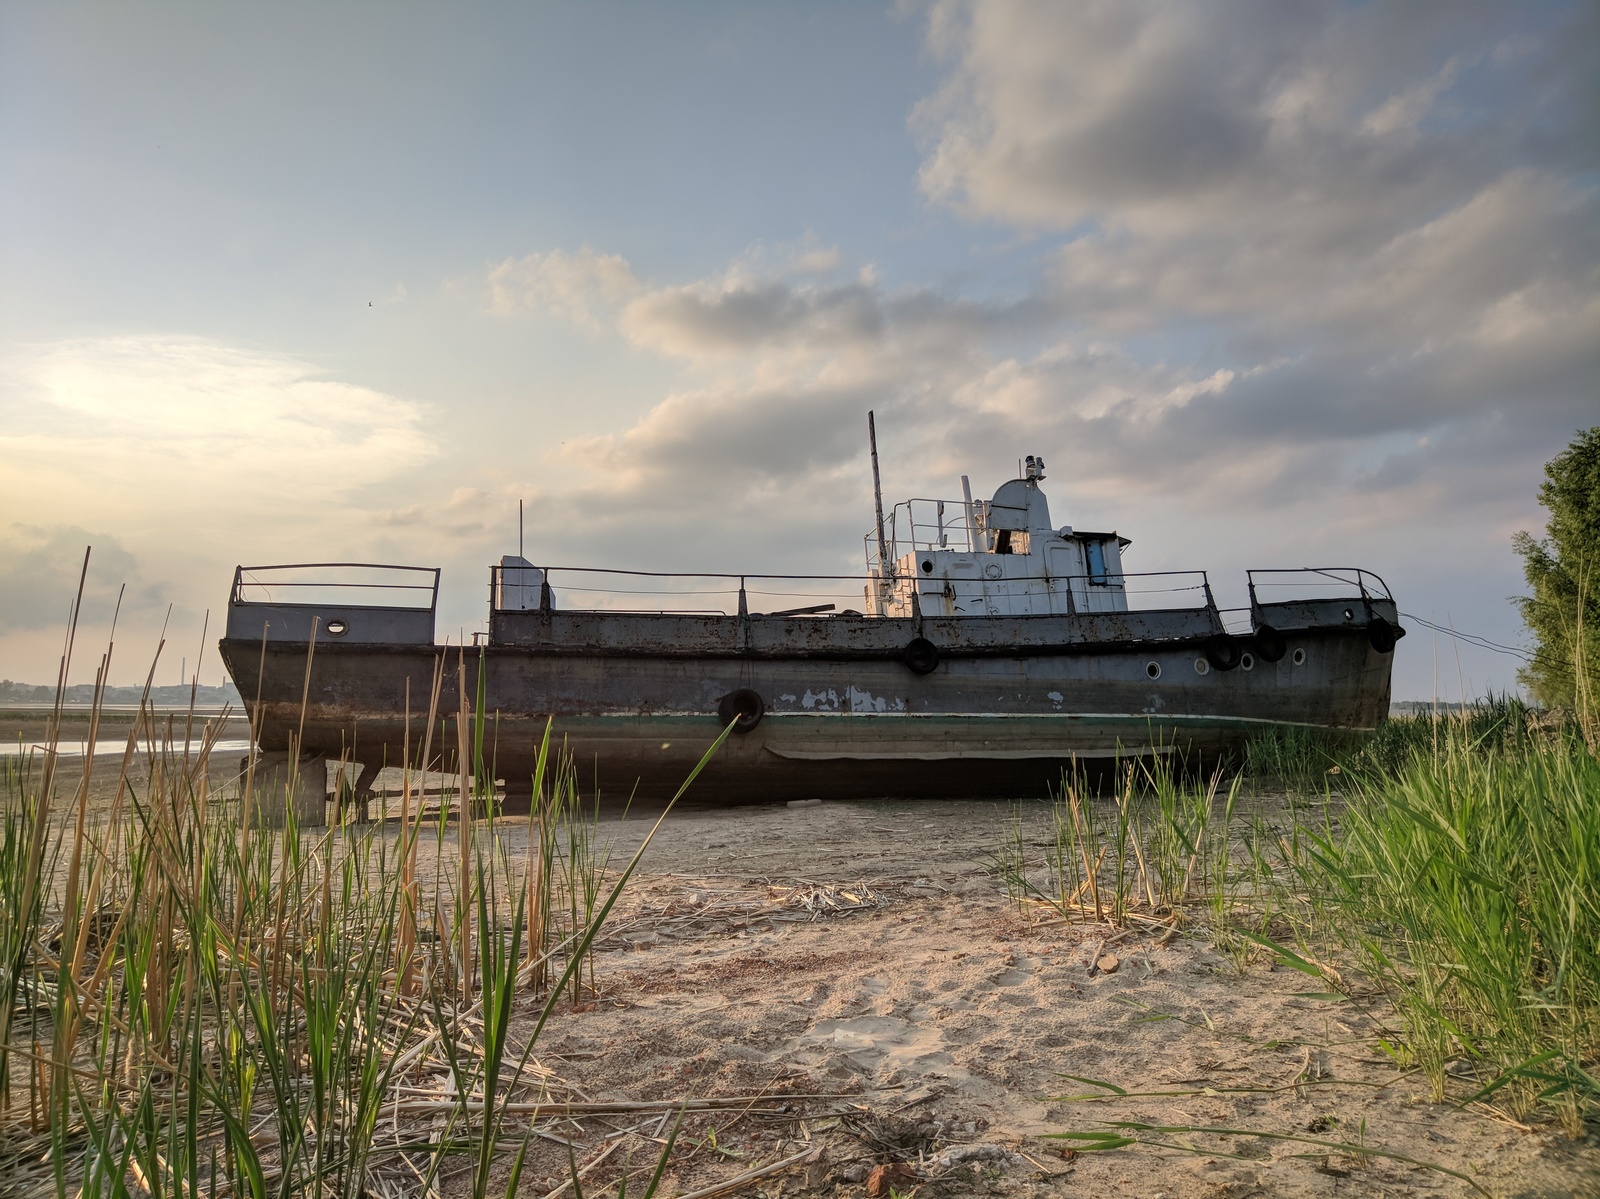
x,y
712,593
1292,584
706,593
923,524
350,602
361,585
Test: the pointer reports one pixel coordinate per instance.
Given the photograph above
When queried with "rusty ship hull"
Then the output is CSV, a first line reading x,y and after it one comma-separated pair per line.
x,y
844,705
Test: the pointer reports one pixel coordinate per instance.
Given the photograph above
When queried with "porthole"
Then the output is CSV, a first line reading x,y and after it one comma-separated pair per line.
x,y
1153,669
992,571
1349,614
1201,666
927,566
1247,662
336,627
1299,658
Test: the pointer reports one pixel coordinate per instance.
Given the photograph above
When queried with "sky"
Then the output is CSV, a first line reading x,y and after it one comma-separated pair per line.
x,y
1266,285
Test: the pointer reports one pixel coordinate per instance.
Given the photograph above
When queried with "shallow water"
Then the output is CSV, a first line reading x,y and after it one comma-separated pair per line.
x,y
108,747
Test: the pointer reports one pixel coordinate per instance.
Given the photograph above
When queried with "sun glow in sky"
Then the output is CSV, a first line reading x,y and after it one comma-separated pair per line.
x,y
1265,284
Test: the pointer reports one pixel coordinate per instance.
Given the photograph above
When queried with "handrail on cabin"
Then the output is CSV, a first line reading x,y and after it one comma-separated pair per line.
x,y
240,582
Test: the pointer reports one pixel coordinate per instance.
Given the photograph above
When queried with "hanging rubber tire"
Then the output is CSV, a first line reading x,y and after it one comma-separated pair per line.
x,y
920,655
1223,653
743,709
1381,635
1270,644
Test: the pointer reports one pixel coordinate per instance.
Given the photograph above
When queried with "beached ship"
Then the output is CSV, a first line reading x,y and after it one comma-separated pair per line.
x,y
992,650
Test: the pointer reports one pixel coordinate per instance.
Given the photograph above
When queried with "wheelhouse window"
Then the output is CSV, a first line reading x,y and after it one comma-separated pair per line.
x,y
1096,554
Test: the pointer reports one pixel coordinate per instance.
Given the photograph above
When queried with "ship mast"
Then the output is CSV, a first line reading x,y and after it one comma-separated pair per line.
x,y
885,567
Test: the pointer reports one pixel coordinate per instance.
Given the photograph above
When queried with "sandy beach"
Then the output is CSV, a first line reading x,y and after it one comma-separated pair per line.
x,y
868,953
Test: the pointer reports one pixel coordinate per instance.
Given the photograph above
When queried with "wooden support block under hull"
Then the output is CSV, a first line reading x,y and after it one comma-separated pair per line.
x,y
281,782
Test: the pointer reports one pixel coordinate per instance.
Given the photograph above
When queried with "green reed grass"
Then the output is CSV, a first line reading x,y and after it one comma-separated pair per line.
x,y
1467,884
1303,759
191,1004
1145,855
1289,757
1451,862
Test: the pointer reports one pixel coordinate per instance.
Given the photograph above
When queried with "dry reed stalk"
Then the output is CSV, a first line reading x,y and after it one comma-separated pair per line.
x,y
132,745
247,796
188,718
534,873
47,1082
70,916
433,716
297,738
1083,846
34,862
305,690
1199,841
584,1171
75,929
466,768
1125,805
405,953
738,1182
406,941
539,916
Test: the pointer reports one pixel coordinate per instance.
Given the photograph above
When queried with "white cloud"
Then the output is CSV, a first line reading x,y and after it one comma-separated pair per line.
x,y
1286,237
183,457
1334,123
146,422
43,566
1404,111
1381,218
1323,281
583,287
739,314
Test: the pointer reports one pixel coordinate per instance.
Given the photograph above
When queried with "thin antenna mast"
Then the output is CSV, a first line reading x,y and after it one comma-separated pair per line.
x,y
885,567
519,528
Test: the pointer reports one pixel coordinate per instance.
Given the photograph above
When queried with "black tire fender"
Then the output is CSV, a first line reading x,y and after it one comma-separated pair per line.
x,y
1271,645
1223,653
1381,635
743,709
920,655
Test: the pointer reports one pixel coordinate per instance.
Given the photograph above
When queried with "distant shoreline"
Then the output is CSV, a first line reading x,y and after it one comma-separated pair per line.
x,y
81,697
205,709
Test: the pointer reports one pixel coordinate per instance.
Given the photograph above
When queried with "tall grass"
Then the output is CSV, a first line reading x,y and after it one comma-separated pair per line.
x,y
1302,758
193,1004
1453,862
1158,844
1467,884
567,867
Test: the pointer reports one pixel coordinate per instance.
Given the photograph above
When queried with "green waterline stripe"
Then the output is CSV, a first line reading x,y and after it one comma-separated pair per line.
x,y
1145,718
